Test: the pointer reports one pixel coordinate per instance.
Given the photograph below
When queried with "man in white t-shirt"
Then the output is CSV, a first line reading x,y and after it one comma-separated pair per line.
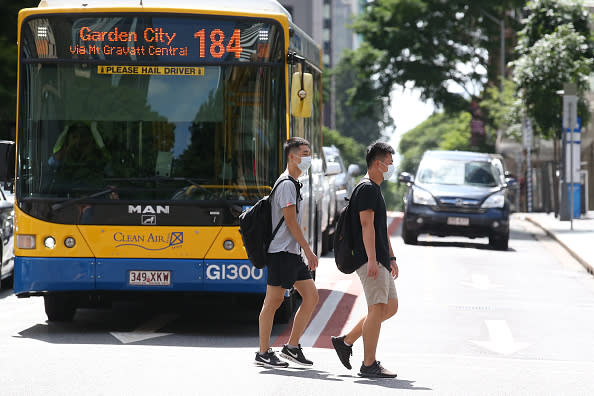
x,y
286,268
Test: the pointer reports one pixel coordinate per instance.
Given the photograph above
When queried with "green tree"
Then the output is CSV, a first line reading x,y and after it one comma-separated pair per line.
x,y
362,115
555,47
504,109
8,62
434,45
441,131
352,151
544,16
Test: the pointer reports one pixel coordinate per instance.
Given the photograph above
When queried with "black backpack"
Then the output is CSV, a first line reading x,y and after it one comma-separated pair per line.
x,y
344,255
255,226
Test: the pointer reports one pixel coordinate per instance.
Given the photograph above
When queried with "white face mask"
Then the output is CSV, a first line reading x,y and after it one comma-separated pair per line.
x,y
388,174
304,164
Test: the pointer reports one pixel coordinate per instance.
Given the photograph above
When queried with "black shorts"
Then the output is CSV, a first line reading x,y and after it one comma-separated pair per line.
x,y
284,269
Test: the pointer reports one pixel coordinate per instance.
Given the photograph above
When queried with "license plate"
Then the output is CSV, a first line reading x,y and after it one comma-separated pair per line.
x,y
458,221
149,278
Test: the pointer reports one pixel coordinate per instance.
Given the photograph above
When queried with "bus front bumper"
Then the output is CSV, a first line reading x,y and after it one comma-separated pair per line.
x,y
40,275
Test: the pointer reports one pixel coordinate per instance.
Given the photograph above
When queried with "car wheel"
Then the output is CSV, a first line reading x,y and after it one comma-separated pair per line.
x,y
7,283
499,242
60,307
409,237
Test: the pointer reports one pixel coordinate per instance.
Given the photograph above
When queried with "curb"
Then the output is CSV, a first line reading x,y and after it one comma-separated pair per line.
x,y
576,256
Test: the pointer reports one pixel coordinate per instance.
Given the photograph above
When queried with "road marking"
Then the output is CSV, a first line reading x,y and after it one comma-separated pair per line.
x,y
318,323
146,330
500,338
481,282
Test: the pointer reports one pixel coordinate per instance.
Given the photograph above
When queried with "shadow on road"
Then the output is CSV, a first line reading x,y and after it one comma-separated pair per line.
x,y
391,383
461,244
5,293
208,323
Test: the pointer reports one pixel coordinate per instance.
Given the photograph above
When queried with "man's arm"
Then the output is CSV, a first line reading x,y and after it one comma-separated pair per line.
x,y
393,263
290,215
368,231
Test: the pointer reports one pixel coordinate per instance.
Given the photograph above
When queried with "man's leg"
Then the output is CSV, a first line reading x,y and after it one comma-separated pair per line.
x,y
309,294
390,310
370,331
273,300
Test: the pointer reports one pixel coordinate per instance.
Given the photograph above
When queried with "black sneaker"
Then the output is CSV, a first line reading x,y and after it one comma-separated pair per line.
x,y
343,351
375,371
269,359
295,355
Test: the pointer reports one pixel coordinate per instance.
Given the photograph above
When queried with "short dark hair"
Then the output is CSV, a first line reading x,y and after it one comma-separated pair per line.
x,y
292,144
377,149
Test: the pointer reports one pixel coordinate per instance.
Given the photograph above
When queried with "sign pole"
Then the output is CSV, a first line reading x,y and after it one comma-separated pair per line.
x,y
527,140
570,125
570,129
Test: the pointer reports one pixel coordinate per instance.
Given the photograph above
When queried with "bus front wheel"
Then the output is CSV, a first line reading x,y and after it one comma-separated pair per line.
x,y
60,307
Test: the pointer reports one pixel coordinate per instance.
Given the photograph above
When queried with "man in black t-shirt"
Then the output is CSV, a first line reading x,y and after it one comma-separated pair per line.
x,y
378,264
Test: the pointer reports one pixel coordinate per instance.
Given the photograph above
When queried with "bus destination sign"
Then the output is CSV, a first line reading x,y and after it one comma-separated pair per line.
x,y
155,41
145,38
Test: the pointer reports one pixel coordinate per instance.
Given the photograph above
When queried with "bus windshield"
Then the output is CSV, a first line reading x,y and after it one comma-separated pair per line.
x,y
149,108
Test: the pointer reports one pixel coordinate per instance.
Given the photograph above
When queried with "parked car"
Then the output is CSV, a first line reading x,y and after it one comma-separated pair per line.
x,y
457,193
337,186
7,238
6,213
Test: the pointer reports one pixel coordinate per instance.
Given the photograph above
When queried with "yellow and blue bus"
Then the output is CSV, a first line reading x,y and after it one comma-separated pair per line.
x,y
143,132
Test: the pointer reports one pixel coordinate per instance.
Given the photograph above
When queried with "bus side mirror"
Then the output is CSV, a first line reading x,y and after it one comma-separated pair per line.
x,y
302,95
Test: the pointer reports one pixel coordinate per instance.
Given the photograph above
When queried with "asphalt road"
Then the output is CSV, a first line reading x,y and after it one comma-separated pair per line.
x,y
472,321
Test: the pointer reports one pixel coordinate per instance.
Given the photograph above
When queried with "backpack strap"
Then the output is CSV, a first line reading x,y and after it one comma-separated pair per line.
x,y
298,187
363,180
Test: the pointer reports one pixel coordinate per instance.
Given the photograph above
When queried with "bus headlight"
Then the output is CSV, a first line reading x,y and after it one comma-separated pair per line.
x,y
228,244
69,242
24,241
49,242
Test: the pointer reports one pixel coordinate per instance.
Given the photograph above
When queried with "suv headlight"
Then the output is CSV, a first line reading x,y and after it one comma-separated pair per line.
x,y
422,197
496,200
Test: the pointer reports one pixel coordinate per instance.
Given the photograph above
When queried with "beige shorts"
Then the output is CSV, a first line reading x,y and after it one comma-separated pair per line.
x,y
380,290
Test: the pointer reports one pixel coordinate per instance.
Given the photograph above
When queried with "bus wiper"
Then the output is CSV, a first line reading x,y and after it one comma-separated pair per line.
x,y
195,184
157,179
68,202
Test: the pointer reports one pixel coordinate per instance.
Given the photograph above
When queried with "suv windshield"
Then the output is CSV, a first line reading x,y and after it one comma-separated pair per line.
x,y
453,172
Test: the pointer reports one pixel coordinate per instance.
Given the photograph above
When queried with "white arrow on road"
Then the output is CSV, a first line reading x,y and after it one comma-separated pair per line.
x,y
500,338
481,282
145,331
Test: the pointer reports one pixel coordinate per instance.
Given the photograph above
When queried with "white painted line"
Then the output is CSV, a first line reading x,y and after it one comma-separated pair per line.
x,y
481,282
313,331
146,330
500,338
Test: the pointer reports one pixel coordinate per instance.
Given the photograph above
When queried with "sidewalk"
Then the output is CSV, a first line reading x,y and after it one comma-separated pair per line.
x,y
578,242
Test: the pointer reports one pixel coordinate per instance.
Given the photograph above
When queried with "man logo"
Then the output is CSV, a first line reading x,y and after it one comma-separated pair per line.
x,y
149,220
148,209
